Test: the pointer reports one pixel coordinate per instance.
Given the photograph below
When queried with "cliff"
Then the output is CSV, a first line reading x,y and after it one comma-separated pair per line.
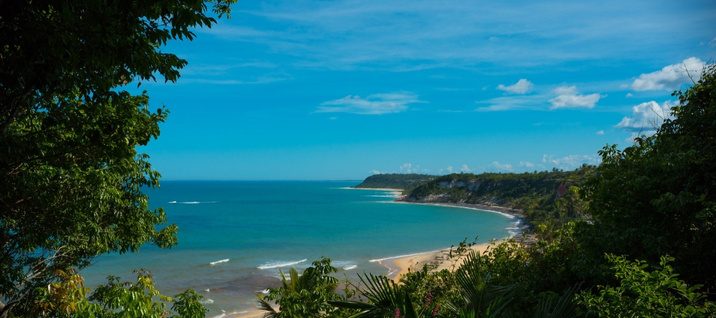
x,y
406,181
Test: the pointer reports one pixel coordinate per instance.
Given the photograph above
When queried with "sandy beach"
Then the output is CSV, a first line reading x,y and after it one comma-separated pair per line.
x,y
398,266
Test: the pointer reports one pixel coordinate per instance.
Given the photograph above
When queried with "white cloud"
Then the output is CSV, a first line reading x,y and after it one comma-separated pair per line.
x,y
521,87
670,77
569,162
646,118
600,132
501,166
527,164
376,172
376,104
465,168
409,167
568,97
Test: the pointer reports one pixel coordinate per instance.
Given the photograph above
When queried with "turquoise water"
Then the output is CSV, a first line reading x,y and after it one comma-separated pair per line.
x,y
262,227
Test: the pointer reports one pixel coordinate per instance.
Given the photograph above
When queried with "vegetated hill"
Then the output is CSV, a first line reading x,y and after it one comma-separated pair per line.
x,y
404,181
535,190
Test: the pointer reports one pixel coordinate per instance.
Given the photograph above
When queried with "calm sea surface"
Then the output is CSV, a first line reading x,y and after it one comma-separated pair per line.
x,y
262,227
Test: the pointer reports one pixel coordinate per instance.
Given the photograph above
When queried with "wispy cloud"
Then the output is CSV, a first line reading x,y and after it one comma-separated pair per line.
x,y
527,164
569,162
505,103
223,69
410,167
376,104
404,33
670,77
568,97
229,81
521,87
499,166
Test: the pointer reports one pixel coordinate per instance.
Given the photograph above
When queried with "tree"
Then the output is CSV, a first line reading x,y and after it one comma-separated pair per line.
x,y
71,178
657,197
306,295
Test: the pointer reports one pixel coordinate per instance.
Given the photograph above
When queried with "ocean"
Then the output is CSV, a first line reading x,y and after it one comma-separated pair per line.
x,y
235,236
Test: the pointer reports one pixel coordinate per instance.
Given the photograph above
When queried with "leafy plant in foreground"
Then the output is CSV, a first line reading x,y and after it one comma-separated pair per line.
x,y
643,293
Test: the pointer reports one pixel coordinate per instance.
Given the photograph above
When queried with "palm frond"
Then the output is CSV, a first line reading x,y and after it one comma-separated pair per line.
x,y
554,306
481,296
264,305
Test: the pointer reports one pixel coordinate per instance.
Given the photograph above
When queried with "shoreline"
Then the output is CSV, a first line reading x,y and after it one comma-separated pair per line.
x,y
504,211
446,258
400,265
377,189
512,213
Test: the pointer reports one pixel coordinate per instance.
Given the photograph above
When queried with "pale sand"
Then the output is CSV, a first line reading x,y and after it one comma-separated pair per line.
x,y
401,265
253,313
378,189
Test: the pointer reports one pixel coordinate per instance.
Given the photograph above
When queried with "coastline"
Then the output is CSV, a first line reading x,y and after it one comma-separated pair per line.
x,y
447,258
378,189
504,211
510,212
399,266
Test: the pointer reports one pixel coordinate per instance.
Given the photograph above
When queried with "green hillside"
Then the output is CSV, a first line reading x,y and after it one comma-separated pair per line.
x,y
535,192
404,181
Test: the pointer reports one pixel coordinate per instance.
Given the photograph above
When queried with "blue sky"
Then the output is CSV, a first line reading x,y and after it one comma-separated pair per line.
x,y
344,89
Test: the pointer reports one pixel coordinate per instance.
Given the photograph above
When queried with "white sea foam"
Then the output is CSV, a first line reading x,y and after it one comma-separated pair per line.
x,y
345,265
223,314
378,260
371,189
191,202
507,215
383,195
280,264
219,261
207,301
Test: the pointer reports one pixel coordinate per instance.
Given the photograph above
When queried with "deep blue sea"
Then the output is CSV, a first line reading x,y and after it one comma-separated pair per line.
x,y
262,227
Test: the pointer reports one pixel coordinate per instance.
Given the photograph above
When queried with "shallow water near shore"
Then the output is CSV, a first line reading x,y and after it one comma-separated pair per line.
x,y
235,236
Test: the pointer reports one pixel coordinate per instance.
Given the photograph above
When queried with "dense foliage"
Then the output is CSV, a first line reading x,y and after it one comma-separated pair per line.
x,y
72,178
404,181
607,238
642,293
658,197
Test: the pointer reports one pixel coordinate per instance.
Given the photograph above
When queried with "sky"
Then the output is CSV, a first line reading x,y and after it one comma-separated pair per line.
x,y
340,90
